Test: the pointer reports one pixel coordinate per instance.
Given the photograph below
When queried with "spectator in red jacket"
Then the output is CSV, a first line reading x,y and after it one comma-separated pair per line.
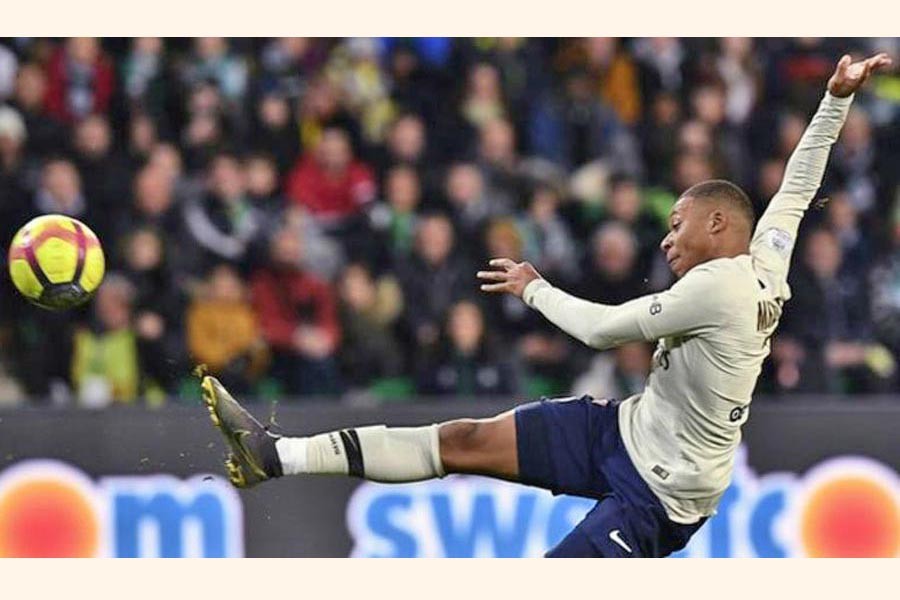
x,y
80,80
298,316
330,183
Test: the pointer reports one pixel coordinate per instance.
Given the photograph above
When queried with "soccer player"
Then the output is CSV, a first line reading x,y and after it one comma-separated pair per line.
x,y
659,461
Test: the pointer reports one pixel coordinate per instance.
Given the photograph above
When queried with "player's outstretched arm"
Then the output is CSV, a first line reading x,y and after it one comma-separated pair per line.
x,y
694,303
777,229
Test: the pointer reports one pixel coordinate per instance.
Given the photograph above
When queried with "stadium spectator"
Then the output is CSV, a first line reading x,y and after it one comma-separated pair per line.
x,y
395,218
143,136
657,133
275,131
472,204
466,364
222,223
499,160
414,88
769,177
353,65
618,373
885,292
709,107
105,175
213,62
13,186
544,352
662,65
158,305
795,66
80,80
368,311
573,127
616,74
59,191
432,278
547,239
261,174
829,320
853,164
406,144
298,316
287,63
738,67
611,275
168,158
45,134
105,361
335,188
320,108
522,67
483,101
223,332
145,77
154,206
626,206
844,221
205,131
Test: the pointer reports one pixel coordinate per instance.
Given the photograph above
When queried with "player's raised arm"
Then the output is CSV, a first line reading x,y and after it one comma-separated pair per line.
x,y
776,231
694,303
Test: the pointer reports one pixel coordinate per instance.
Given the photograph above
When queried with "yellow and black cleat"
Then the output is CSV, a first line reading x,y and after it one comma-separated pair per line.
x,y
253,458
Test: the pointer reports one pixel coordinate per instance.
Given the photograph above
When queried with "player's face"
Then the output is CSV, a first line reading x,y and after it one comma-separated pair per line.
x,y
688,242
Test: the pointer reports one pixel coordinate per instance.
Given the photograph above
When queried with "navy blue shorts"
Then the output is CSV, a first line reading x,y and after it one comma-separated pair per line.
x,y
572,446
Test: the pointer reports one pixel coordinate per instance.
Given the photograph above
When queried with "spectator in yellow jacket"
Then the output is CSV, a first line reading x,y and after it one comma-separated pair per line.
x,y
222,330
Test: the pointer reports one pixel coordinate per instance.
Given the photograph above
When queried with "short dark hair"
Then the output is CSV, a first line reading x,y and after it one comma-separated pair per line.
x,y
724,191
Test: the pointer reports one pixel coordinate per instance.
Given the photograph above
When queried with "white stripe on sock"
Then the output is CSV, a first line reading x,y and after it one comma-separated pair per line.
x,y
292,453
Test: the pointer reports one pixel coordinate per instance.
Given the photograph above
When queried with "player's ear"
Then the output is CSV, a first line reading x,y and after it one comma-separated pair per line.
x,y
718,221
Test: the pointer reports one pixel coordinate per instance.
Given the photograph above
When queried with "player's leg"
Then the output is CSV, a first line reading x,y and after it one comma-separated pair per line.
x,y
378,453
403,454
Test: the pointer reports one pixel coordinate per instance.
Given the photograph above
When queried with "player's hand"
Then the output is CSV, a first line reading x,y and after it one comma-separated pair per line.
x,y
849,76
508,277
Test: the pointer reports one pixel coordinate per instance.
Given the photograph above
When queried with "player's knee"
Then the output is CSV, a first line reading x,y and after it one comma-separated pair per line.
x,y
462,442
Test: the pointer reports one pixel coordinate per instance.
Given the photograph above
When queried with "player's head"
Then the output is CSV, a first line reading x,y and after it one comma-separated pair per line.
x,y
712,219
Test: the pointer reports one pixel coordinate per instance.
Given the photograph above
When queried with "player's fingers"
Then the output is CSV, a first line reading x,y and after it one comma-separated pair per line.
x,y
503,263
843,64
879,61
493,275
874,62
496,287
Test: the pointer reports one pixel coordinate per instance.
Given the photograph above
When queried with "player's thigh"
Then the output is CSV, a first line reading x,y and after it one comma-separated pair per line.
x,y
548,444
480,446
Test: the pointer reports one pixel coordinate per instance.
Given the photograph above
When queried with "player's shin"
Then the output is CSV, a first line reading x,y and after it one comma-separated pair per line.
x,y
377,453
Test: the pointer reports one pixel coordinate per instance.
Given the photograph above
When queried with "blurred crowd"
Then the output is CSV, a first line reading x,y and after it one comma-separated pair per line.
x,y
306,216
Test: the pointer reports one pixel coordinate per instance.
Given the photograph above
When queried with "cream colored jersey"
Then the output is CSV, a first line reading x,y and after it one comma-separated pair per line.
x,y
713,328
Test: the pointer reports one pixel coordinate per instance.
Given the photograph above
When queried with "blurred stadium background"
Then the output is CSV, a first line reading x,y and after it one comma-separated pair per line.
x,y
305,216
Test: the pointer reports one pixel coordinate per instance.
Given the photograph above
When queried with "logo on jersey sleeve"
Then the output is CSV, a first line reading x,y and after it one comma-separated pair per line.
x,y
779,240
736,413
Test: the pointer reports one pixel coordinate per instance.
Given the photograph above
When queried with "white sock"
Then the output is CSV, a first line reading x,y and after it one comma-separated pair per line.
x,y
378,453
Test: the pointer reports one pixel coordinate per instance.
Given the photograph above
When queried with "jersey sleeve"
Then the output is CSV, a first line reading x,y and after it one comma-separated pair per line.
x,y
696,303
776,232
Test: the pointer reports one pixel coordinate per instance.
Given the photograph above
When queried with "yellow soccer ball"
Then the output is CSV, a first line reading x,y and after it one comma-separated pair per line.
x,y
56,262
